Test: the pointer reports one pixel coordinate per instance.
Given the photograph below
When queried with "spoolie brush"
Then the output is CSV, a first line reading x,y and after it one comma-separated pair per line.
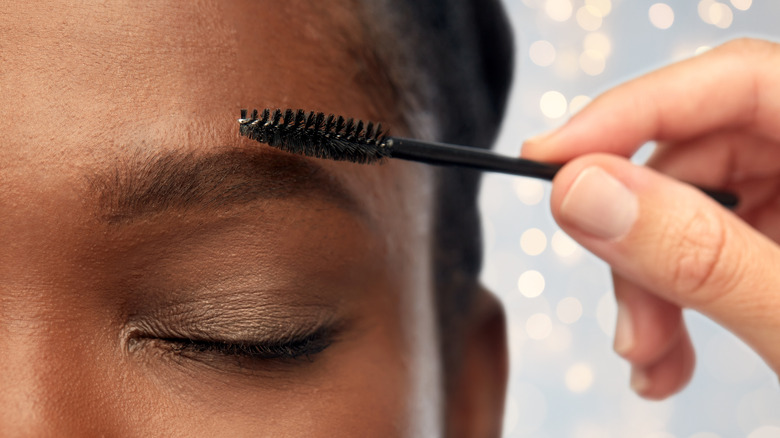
x,y
336,138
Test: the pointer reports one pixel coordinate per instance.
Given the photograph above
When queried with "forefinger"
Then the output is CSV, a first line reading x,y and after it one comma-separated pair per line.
x,y
732,86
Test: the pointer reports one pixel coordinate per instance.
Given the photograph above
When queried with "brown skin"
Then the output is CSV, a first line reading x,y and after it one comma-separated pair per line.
x,y
93,289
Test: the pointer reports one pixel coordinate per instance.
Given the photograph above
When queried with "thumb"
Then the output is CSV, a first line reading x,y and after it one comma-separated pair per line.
x,y
676,243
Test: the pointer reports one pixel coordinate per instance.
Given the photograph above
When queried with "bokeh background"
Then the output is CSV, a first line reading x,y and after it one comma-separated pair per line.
x,y
565,379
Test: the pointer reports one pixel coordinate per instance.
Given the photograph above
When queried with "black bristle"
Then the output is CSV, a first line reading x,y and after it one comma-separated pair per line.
x,y
315,135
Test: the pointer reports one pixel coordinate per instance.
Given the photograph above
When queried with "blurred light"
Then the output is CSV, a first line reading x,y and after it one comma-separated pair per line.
x,y
592,62
577,103
702,49
765,432
589,18
598,42
567,64
533,242
606,314
579,378
704,10
569,310
542,53
604,7
558,10
742,5
538,326
531,284
563,245
720,15
553,104
705,435
661,15
529,191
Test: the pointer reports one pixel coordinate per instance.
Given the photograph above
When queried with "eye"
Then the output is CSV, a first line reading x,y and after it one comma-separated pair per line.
x,y
304,347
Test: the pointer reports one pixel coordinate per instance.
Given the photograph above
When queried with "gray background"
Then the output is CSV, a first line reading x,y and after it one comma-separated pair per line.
x,y
565,379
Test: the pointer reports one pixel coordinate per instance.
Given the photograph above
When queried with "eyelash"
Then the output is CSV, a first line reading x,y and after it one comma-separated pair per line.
x,y
302,348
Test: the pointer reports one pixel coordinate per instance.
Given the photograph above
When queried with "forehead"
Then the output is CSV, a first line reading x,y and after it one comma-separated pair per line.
x,y
86,86
120,70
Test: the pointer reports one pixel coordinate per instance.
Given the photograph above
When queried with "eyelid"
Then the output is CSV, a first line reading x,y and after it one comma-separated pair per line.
x,y
303,347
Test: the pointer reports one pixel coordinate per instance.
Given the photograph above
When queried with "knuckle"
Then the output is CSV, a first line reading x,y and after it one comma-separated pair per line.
x,y
697,245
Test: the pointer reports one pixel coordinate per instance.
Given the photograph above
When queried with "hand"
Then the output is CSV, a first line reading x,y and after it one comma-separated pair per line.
x,y
717,120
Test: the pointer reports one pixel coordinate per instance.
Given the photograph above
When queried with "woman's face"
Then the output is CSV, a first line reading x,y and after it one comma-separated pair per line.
x,y
160,275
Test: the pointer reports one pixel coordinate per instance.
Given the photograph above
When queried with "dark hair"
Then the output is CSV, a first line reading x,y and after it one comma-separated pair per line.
x,y
452,62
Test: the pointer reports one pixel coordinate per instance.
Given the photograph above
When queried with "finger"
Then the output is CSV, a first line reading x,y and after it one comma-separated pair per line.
x,y
673,241
731,86
718,159
669,375
647,325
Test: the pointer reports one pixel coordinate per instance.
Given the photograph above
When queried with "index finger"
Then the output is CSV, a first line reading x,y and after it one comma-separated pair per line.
x,y
731,86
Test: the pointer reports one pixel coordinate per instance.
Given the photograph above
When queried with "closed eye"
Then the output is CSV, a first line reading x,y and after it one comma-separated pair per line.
x,y
297,348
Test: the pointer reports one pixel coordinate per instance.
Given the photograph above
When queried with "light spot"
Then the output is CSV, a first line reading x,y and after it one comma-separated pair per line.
x,y
661,15
558,10
704,8
569,310
577,103
604,7
589,18
765,432
579,377
598,42
720,15
553,104
702,49
592,62
530,191
533,241
563,245
742,5
531,284
542,53
538,326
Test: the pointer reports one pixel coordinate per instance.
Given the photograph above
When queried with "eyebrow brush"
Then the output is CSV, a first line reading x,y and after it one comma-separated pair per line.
x,y
336,138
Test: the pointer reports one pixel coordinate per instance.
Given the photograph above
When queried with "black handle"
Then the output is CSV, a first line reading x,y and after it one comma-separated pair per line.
x,y
462,156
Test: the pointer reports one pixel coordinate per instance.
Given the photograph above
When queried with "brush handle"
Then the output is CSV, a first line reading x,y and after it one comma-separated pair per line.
x,y
452,155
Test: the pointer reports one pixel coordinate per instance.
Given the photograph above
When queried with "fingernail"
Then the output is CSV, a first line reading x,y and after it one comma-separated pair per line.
x,y
624,332
640,382
600,205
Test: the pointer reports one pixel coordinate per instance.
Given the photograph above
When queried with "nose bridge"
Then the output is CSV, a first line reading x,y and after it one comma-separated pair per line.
x,y
56,353
49,384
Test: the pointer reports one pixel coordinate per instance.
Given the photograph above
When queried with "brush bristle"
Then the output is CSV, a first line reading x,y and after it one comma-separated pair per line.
x,y
316,135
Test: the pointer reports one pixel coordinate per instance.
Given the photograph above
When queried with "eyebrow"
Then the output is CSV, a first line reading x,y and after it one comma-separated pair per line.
x,y
154,182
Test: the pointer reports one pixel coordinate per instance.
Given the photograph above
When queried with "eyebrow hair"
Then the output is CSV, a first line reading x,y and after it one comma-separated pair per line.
x,y
149,183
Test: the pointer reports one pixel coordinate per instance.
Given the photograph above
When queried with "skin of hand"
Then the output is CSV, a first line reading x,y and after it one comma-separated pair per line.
x,y
716,120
